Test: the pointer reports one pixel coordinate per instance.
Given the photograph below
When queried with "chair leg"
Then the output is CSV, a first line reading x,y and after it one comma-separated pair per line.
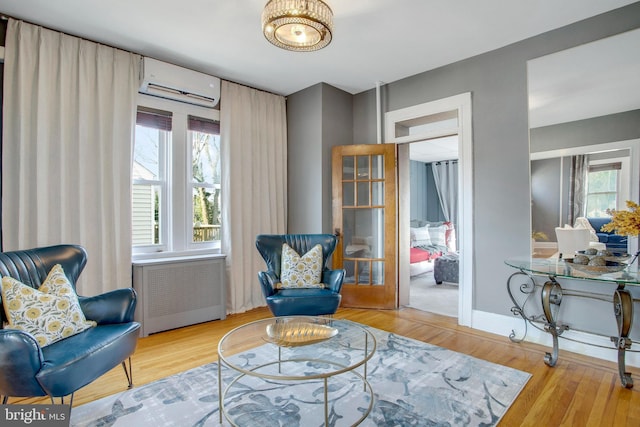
x,y
5,399
53,402
128,373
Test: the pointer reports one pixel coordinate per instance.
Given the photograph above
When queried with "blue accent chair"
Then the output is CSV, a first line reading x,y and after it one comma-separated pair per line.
x,y
292,302
61,368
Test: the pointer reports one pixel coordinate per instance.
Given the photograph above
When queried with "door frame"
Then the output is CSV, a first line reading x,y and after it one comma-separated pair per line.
x,y
462,104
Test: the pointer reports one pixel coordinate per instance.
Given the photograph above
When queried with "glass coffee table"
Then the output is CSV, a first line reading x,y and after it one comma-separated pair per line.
x,y
286,362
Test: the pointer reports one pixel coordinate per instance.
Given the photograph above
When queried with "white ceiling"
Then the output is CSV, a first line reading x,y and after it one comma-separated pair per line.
x,y
373,40
592,80
434,150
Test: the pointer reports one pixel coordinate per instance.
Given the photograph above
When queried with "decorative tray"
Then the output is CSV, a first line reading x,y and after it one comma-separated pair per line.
x,y
298,333
610,267
611,256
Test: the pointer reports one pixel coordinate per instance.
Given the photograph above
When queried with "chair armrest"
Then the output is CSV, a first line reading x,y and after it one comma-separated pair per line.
x,y
268,280
117,306
20,360
333,279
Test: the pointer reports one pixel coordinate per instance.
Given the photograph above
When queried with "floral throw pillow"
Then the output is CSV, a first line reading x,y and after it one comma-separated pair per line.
x,y
300,271
49,313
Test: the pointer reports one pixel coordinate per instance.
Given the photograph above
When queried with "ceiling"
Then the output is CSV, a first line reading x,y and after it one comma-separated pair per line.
x,y
373,40
570,85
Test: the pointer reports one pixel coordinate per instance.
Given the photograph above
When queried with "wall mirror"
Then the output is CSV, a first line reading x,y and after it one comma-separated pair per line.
x,y
584,133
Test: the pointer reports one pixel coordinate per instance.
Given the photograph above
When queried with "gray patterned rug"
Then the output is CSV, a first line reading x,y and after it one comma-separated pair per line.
x,y
414,384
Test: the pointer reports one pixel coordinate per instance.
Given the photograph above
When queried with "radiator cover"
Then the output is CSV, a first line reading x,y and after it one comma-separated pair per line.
x,y
176,292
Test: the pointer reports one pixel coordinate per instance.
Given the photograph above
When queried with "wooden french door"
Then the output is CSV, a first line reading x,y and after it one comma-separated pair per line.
x,y
364,217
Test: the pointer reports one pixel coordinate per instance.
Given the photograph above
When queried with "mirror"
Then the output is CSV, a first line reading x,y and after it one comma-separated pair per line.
x,y
584,110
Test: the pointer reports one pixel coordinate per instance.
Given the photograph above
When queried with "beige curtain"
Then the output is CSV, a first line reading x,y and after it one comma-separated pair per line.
x,y
254,185
69,116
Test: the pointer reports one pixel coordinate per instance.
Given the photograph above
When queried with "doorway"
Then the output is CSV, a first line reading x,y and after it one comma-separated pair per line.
x,y
448,117
433,193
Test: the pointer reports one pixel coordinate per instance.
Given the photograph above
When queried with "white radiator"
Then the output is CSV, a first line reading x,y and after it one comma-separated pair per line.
x,y
176,292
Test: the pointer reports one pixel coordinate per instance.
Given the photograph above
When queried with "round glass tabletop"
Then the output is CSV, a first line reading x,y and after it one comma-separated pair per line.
x,y
341,344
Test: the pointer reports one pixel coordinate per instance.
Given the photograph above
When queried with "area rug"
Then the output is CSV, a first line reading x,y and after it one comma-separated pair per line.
x,y
413,383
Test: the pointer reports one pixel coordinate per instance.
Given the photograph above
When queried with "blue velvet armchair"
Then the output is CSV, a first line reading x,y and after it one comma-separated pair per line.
x,y
292,302
61,368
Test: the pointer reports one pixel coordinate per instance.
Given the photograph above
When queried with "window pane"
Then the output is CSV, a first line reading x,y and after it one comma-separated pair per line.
x,y
363,167
205,157
146,215
205,170
206,214
363,194
348,167
348,194
377,193
377,167
602,192
146,154
603,181
597,204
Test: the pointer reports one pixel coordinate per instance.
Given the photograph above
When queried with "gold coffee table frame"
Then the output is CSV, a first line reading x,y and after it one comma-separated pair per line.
x,y
351,340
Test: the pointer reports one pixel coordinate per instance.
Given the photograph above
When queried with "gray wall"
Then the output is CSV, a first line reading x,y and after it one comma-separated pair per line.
x,y
598,130
318,118
498,83
337,129
304,160
545,196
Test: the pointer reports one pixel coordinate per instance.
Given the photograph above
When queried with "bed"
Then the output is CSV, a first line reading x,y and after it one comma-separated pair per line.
x,y
428,242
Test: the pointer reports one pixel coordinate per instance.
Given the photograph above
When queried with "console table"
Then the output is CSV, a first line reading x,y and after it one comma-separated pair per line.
x,y
552,293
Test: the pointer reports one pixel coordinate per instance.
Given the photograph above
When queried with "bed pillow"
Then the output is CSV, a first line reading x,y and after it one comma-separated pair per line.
x,y
439,235
300,272
50,313
420,236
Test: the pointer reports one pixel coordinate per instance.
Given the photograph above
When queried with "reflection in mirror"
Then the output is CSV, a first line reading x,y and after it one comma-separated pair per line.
x,y
584,110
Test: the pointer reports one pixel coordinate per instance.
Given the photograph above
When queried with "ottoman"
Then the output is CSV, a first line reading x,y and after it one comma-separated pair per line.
x,y
445,269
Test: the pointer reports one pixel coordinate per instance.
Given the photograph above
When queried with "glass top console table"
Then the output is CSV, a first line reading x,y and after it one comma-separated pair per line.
x,y
552,294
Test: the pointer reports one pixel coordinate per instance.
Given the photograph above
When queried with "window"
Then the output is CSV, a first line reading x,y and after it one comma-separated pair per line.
x,y
176,178
602,188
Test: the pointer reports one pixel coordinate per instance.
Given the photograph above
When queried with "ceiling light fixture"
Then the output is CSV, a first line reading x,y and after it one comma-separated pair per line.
x,y
298,25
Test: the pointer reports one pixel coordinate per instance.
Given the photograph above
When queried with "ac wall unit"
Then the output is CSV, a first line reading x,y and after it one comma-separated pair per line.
x,y
169,81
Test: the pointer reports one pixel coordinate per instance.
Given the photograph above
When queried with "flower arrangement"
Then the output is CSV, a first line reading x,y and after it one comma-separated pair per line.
x,y
625,223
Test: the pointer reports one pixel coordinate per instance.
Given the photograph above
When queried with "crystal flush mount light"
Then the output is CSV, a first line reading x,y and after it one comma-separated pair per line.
x,y
298,25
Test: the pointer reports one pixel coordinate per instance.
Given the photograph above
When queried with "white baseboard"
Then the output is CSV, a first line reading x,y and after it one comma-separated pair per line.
x,y
503,325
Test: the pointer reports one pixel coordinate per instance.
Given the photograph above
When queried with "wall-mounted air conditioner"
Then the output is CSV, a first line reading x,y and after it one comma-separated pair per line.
x,y
169,81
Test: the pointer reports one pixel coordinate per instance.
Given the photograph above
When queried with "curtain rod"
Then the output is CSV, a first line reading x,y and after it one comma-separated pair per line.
x,y
7,17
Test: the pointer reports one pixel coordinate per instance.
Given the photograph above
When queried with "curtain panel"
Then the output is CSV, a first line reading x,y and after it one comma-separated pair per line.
x,y
253,132
578,187
69,117
445,175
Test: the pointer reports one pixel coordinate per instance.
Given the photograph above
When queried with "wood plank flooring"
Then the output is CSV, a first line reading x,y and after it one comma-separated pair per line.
x,y
579,391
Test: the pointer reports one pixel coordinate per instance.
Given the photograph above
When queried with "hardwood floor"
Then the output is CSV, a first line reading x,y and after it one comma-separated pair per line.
x,y
579,391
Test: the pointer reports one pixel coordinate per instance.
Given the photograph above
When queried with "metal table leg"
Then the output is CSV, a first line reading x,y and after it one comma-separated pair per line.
x,y
552,295
623,309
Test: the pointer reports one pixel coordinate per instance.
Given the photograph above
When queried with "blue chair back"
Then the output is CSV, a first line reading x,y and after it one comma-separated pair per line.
x,y
270,247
